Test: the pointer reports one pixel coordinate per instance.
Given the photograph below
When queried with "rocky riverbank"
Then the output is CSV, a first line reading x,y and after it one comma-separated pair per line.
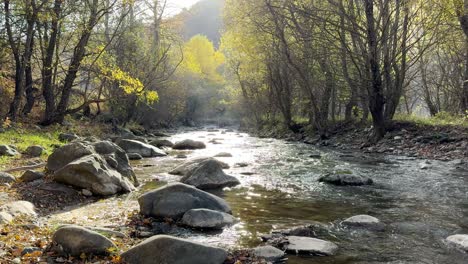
x,y
404,139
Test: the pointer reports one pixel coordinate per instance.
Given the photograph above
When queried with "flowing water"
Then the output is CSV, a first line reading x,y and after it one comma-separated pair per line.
x,y
280,190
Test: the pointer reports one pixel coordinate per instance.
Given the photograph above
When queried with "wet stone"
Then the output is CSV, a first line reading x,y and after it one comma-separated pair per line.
x,y
311,246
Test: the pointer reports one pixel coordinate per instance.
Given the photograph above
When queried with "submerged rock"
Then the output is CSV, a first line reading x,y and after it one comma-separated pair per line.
x,y
346,180
159,143
145,150
209,175
76,240
459,241
174,200
189,144
205,218
362,221
92,172
162,249
192,164
312,246
223,155
269,253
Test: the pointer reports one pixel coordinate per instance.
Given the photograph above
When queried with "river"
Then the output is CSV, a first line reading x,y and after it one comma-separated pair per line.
x,y
280,190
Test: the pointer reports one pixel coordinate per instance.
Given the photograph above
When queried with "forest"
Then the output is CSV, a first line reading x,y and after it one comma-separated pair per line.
x,y
233,131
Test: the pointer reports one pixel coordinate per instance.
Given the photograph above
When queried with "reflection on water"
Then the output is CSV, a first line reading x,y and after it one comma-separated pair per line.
x,y
279,190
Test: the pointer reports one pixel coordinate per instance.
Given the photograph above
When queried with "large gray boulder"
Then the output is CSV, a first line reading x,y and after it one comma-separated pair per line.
x,y
174,200
209,175
145,150
76,240
93,173
312,246
6,150
66,154
189,144
346,180
6,178
116,158
207,219
366,221
163,249
192,164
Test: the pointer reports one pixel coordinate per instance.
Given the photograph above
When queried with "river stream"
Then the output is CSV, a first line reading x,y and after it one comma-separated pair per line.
x,y
280,190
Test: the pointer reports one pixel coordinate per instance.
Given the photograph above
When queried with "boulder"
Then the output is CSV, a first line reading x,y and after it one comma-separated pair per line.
x,y
209,175
159,143
6,150
67,137
134,156
162,249
29,176
268,253
346,180
207,219
34,151
145,150
116,158
192,164
93,173
174,200
459,241
362,221
310,246
6,178
66,154
76,240
189,144
223,155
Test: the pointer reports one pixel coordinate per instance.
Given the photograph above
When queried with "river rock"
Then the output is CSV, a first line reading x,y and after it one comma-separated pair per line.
x,y
66,154
34,151
159,143
205,218
6,150
269,253
145,150
209,175
174,200
75,240
134,156
162,249
459,241
192,164
68,137
93,173
189,144
6,178
308,245
223,155
362,221
116,157
346,180
30,175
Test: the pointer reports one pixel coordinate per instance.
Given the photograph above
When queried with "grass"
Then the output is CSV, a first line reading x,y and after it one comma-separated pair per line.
x,y
22,139
441,119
